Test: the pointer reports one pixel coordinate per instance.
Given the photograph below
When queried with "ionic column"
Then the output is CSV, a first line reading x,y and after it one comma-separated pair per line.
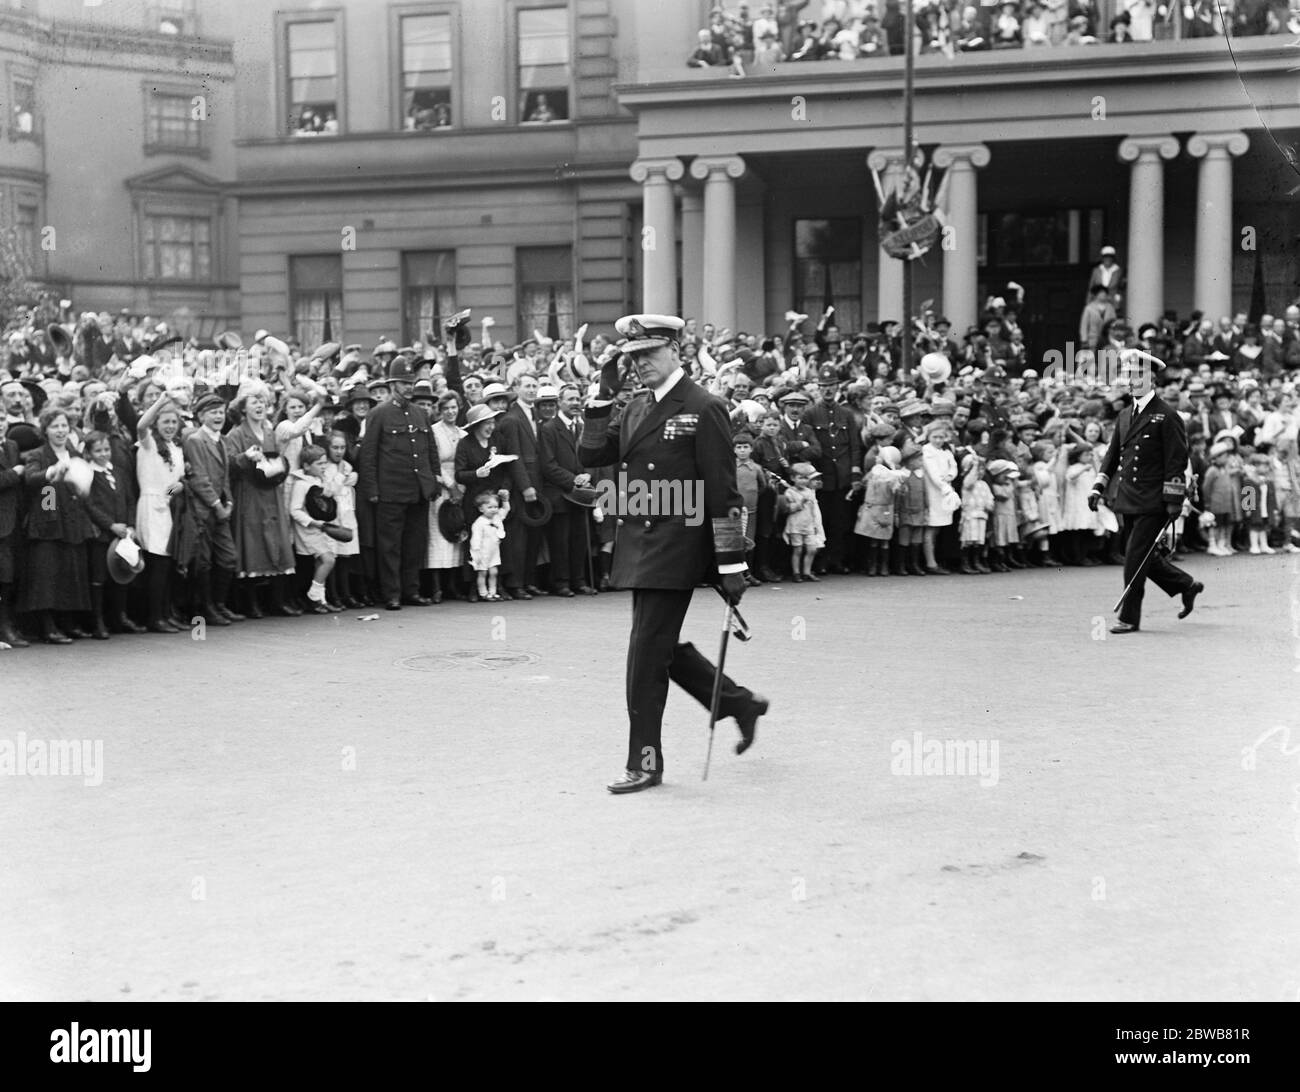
x,y
960,245
889,278
659,245
692,255
1214,219
1145,258
719,174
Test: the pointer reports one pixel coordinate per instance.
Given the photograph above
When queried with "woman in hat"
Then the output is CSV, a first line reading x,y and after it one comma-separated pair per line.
x,y
260,521
473,474
941,499
445,556
55,576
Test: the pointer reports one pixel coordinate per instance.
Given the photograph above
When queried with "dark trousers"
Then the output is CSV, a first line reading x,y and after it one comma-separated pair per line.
x,y
1169,578
401,545
216,548
836,520
519,550
654,656
566,536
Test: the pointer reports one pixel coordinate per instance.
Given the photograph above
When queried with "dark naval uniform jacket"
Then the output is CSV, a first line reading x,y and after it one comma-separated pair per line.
x,y
1147,458
398,455
670,450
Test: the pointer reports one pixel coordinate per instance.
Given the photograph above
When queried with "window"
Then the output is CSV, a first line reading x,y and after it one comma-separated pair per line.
x,y
23,120
545,277
316,298
426,71
313,67
27,219
170,122
428,292
177,248
1039,239
828,270
543,65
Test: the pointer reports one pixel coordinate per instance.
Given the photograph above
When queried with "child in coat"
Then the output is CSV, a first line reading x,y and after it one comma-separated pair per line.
x,y
976,507
1002,474
485,541
1286,478
112,511
753,483
1221,495
803,526
878,514
913,512
1262,501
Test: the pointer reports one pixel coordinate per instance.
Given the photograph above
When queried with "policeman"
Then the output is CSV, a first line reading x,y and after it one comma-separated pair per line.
x,y
840,462
1148,458
396,475
672,439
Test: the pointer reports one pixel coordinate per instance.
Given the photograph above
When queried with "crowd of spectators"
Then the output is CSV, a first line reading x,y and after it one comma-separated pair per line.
x,y
752,37
973,459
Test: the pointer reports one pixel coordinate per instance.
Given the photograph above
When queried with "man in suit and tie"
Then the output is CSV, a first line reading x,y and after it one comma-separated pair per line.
x,y
516,434
674,440
562,472
208,482
1147,457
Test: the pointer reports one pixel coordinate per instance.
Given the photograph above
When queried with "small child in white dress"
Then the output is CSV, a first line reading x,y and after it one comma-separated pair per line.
x,y
485,541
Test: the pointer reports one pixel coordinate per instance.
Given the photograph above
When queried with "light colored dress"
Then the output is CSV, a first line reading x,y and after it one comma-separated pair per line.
x,y
307,539
1049,498
1076,515
153,511
443,554
976,504
340,483
485,542
940,469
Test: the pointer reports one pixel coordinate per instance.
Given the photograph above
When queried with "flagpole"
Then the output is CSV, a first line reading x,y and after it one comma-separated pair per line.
x,y
906,316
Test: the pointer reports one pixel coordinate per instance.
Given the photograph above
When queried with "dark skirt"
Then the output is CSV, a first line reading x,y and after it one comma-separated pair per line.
x,y
55,576
7,567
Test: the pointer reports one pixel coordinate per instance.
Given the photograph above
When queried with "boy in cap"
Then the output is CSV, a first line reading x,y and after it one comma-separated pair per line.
x,y
208,482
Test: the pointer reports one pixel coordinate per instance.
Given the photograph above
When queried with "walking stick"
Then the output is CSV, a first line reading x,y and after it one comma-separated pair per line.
x,y
1142,568
586,535
717,683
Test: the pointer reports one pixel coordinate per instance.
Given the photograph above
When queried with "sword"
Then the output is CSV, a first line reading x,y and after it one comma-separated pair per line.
x,y
1145,561
717,682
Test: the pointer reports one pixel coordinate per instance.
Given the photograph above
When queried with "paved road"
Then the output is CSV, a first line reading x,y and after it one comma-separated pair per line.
x,y
323,808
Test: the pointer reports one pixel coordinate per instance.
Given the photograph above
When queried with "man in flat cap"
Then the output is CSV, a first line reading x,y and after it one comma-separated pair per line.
x,y
673,439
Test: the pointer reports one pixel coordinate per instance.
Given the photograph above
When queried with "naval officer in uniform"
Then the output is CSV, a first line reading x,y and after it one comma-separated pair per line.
x,y
673,440
1148,457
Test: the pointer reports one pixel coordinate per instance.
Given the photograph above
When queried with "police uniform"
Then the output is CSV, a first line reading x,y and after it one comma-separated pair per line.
x,y
680,440
1147,458
837,437
397,465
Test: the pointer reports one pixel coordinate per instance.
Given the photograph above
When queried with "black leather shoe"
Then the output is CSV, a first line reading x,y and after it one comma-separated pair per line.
x,y
214,617
585,589
1123,627
416,601
125,625
54,637
534,590
393,604
634,781
232,616
1189,598
517,593
163,626
749,723
564,593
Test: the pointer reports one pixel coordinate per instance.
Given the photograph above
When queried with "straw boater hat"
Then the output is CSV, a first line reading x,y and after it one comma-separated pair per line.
x,y
478,414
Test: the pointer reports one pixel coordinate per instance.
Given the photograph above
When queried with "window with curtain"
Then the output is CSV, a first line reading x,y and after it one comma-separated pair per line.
x,y
426,71
428,292
171,122
24,107
28,216
544,65
545,279
178,248
316,298
312,64
828,270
